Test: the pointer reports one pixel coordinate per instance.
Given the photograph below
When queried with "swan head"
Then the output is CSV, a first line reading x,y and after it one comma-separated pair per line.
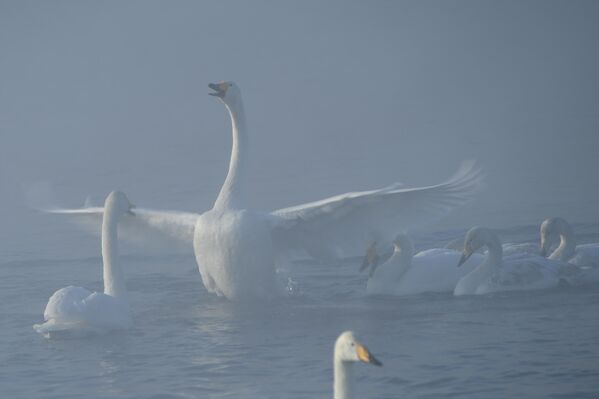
x,y
403,243
118,203
476,238
551,229
348,349
227,91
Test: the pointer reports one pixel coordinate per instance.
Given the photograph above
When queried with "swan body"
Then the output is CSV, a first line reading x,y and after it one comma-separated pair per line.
x,y
235,254
496,273
432,270
76,308
347,352
237,248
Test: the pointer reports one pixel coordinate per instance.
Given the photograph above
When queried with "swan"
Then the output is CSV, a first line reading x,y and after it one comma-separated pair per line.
x,y
516,272
567,251
581,261
76,308
237,249
406,274
348,351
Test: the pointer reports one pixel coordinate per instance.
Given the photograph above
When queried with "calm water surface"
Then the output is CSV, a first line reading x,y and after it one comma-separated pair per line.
x,y
187,343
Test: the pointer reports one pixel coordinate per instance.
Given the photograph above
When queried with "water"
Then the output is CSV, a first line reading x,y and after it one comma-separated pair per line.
x,y
187,343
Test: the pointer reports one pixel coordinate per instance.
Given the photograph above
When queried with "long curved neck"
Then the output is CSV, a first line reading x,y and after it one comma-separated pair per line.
x,y
343,379
232,191
567,245
114,281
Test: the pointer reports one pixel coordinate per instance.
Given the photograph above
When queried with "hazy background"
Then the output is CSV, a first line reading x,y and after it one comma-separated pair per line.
x,y
340,96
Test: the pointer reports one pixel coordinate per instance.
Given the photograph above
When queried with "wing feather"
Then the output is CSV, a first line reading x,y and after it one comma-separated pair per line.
x,y
346,224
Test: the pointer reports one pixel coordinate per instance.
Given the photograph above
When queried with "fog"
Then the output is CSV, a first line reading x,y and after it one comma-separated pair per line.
x,y
339,97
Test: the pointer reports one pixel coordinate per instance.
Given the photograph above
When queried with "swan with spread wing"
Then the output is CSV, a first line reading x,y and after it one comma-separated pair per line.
x,y
237,248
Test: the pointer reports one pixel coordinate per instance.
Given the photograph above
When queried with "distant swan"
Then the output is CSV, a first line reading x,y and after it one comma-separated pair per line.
x,y
584,258
495,273
567,251
76,308
404,273
237,249
348,351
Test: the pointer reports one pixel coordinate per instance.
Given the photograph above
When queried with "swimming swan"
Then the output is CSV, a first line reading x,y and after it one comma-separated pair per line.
x,y
348,351
406,274
237,248
80,309
567,251
495,273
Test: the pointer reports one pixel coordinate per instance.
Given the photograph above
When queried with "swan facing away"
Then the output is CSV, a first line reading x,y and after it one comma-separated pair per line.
x,y
496,273
347,352
76,308
404,273
237,249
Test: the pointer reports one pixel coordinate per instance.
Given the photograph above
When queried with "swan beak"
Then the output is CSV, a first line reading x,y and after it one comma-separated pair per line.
x,y
465,255
219,88
130,211
365,356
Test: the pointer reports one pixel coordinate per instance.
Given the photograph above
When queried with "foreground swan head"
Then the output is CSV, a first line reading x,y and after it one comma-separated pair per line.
x,y
476,238
227,91
348,351
553,228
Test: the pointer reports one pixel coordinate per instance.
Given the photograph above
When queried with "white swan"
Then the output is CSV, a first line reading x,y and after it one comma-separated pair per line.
x,y
404,273
582,261
568,250
495,273
348,351
236,248
80,309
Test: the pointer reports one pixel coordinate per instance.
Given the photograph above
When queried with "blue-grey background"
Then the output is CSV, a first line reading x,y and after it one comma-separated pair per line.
x,y
340,96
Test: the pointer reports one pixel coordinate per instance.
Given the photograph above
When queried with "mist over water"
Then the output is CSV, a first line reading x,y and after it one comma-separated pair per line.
x,y
339,97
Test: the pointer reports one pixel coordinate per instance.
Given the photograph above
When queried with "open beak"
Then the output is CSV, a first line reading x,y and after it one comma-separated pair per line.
x,y
220,89
365,356
465,255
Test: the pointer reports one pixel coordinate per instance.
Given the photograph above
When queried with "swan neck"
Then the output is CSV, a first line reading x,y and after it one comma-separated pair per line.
x,y
232,191
404,261
567,245
494,253
114,282
343,379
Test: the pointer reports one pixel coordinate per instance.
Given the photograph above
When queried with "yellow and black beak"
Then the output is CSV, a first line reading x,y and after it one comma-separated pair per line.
x,y
220,89
365,356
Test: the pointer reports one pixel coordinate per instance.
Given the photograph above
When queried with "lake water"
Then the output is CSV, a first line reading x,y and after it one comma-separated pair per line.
x,y
187,343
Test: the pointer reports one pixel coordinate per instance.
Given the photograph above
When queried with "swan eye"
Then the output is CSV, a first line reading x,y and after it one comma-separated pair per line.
x,y
352,344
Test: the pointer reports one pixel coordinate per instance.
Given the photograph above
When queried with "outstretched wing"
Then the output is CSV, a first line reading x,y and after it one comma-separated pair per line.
x,y
346,224
145,225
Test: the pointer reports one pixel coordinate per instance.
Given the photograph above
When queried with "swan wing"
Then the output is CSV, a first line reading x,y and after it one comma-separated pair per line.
x,y
346,224
143,226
